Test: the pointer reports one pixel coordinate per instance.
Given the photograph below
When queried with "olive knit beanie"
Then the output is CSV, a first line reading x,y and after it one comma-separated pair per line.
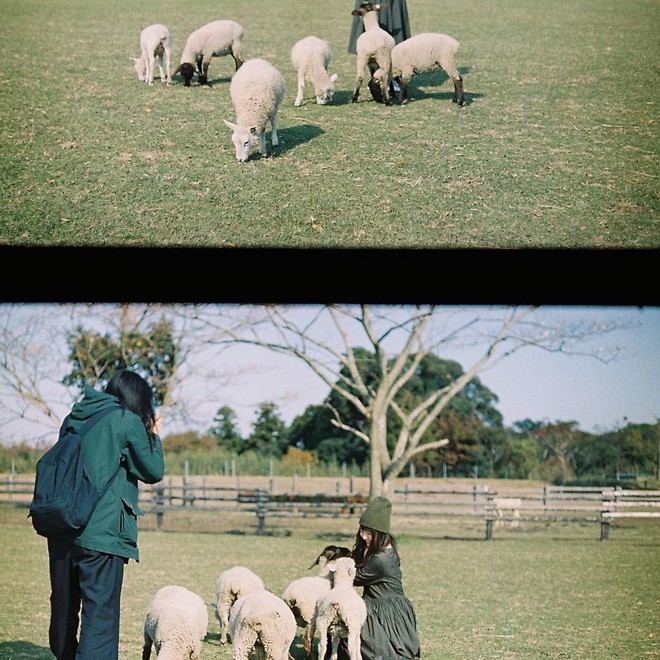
x,y
377,515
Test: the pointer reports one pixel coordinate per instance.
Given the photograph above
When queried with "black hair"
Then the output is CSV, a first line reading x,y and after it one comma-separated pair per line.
x,y
134,393
362,552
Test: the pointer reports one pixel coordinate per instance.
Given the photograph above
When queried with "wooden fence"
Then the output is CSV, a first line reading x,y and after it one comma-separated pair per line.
x,y
513,506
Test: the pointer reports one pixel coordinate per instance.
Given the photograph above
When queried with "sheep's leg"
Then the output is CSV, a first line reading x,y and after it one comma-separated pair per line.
x,y
459,95
146,649
359,77
354,650
160,67
335,648
274,139
235,53
323,641
168,64
301,89
202,70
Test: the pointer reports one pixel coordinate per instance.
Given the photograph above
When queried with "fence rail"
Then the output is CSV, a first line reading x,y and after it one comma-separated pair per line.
x,y
514,507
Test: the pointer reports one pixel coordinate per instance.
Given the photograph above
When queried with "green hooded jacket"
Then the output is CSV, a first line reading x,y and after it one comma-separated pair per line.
x,y
119,437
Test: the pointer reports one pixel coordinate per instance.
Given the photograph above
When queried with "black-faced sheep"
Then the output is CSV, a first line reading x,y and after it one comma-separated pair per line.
x,y
261,625
341,613
374,48
176,624
310,58
232,584
256,91
303,594
214,39
428,51
155,42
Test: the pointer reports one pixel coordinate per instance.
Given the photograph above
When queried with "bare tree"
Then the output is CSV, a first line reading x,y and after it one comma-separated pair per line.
x,y
324,338
34,358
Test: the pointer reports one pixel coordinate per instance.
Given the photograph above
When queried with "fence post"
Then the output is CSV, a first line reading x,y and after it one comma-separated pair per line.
x,y
261,511
159,506
489,515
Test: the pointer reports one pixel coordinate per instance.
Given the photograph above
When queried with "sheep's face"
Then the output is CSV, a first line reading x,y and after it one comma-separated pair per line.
x,y
244,140
140,66
325,93
186,70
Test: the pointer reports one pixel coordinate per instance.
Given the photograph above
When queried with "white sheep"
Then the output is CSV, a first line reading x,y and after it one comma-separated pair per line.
x,y
256,91
374,48
176,624
155,42
214,39
341,613
303,594
231,585
310,58
261,625
428,51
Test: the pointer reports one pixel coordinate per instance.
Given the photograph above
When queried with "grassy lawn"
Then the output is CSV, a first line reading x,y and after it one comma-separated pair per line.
x,y
557,147
554,592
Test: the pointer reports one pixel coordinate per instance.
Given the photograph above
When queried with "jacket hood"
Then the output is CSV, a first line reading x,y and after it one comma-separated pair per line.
x,y
91,403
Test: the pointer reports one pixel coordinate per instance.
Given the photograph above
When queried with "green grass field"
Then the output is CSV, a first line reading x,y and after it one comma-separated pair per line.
x,y
546,592
557,148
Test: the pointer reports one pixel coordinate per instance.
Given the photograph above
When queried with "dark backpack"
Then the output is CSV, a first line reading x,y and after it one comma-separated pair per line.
x,y
64,495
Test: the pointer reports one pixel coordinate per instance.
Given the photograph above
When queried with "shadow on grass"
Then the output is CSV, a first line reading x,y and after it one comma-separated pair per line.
x,y
19,649
293,136
438,79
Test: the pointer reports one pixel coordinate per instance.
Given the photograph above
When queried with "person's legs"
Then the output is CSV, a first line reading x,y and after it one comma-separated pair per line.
x,y
64,600
101,577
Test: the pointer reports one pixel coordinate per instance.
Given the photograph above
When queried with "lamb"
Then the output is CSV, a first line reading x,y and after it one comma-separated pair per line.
x,y
214,39
231,585
303,594
155,42
261,625
374,48
311,57
176,624
256,91
428,51
341,612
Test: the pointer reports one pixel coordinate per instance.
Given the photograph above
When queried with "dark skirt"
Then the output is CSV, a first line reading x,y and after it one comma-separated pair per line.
x,y
393,18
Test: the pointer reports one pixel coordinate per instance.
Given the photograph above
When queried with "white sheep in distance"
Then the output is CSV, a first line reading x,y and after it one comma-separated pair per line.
x,y
261,625
155,42
176,624
341,613
310,58
374,48
303,594
214,39
256,91
232,584
428,51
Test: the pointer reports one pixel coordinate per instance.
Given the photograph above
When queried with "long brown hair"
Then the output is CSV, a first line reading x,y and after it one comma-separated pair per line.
x,y
362,552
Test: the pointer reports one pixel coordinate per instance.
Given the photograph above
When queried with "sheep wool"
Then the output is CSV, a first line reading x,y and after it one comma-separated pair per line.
x,y
310,58
374,47
256,91
261,625
215,39
155,44
232,584
176,624
341,613
426,52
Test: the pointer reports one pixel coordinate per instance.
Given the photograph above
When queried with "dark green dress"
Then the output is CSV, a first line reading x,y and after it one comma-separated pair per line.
x,y
392,17
390,631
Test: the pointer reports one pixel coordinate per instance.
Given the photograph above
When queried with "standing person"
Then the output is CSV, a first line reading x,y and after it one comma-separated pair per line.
x,y
390,631
392,17
88,568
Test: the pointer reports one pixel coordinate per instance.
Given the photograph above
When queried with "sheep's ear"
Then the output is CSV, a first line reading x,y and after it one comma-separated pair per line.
x,y
333,77
228,124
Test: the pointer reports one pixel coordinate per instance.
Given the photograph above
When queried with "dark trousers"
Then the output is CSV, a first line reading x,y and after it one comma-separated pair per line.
x,y
93,580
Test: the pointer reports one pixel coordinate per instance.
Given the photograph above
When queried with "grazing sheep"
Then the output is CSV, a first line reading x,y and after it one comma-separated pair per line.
x,y
214,39
429,51
302,594
155,42
341,613
176,624
374,48
256,90
231,585
311,57
261,625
